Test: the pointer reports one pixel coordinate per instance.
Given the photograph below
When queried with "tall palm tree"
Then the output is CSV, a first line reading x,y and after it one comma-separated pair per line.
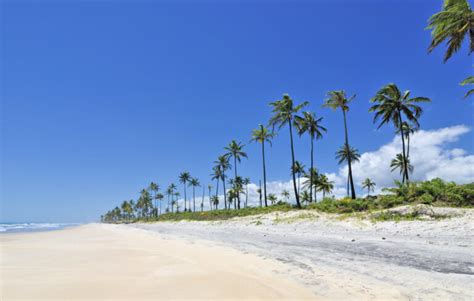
x,y
310,124
184,178
453,23
403,164
216,175
154,188
235,150
215,201
298,168
194,182
170,192
246,182
305,197
369,184
259,191
347,154
262,135
159,197
338,100
223,164
202,200
324,185
390,105
284,112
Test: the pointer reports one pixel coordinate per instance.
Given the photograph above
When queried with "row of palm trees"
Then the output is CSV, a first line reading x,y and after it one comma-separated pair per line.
x,y
390,105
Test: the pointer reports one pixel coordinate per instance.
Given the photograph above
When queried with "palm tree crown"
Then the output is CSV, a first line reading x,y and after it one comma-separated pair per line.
x,y
453,23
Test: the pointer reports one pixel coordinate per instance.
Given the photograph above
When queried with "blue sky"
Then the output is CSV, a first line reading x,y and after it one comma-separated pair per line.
x,y
100,98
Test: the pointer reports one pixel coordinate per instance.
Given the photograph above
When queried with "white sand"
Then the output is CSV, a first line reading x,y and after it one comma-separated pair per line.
x,y
106,262
352,258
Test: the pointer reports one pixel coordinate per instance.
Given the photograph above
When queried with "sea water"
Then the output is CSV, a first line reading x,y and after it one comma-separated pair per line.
x,y
32,227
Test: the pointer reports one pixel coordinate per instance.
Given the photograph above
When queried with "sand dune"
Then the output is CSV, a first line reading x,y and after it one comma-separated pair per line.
x,y
98,262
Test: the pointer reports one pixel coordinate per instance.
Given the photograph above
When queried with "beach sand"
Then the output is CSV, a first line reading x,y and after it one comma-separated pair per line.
x,y
98,262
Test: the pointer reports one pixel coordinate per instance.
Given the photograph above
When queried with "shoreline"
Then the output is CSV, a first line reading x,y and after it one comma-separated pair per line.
x,y
97,261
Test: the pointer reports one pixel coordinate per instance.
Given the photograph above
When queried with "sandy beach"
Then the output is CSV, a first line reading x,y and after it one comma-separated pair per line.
x,y
107,262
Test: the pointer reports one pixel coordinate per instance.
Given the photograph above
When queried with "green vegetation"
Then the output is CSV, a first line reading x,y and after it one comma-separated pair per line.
x,y
390,105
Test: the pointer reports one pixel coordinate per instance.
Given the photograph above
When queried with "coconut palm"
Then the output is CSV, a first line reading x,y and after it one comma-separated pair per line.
x,y
259,191
347,154
391,105
298,168
235,150
338,100
223,164
305,197
217,175
203,195
285,195
237,189
194,182
262,135
324,185
154,188
158,197
184,178
399,162
272,198
284,112
311,182
170,193
468,81
452,24
310,124
215,201
369,185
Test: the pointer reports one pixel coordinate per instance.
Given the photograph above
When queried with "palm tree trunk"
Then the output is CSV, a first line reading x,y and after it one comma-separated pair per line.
x,y
217,190
311,175
408,146
246,194
184,196
298,204
349,157
202,201
210,202
194,199
225,194
405,163
264,175
237,206
260,193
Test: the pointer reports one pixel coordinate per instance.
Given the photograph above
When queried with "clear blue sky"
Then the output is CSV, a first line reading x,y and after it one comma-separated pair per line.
x,y
100,98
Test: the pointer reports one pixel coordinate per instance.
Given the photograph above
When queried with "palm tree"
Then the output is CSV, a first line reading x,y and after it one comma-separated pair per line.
x,y
184,178
310,124
263,135
154,188
468,81
453,23
170,192
285,194
223,164
325,185
272,198
202,200
235,150
312,180
159,197
217,175
390,105
305,197
369,185
347,154
298,168
215,201
194,183
284,112
399,162
338,100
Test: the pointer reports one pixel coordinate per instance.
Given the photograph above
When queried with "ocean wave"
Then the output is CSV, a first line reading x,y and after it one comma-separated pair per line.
x,y
10,227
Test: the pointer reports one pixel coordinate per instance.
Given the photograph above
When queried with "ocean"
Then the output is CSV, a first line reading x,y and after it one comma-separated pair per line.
x,y
32,227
